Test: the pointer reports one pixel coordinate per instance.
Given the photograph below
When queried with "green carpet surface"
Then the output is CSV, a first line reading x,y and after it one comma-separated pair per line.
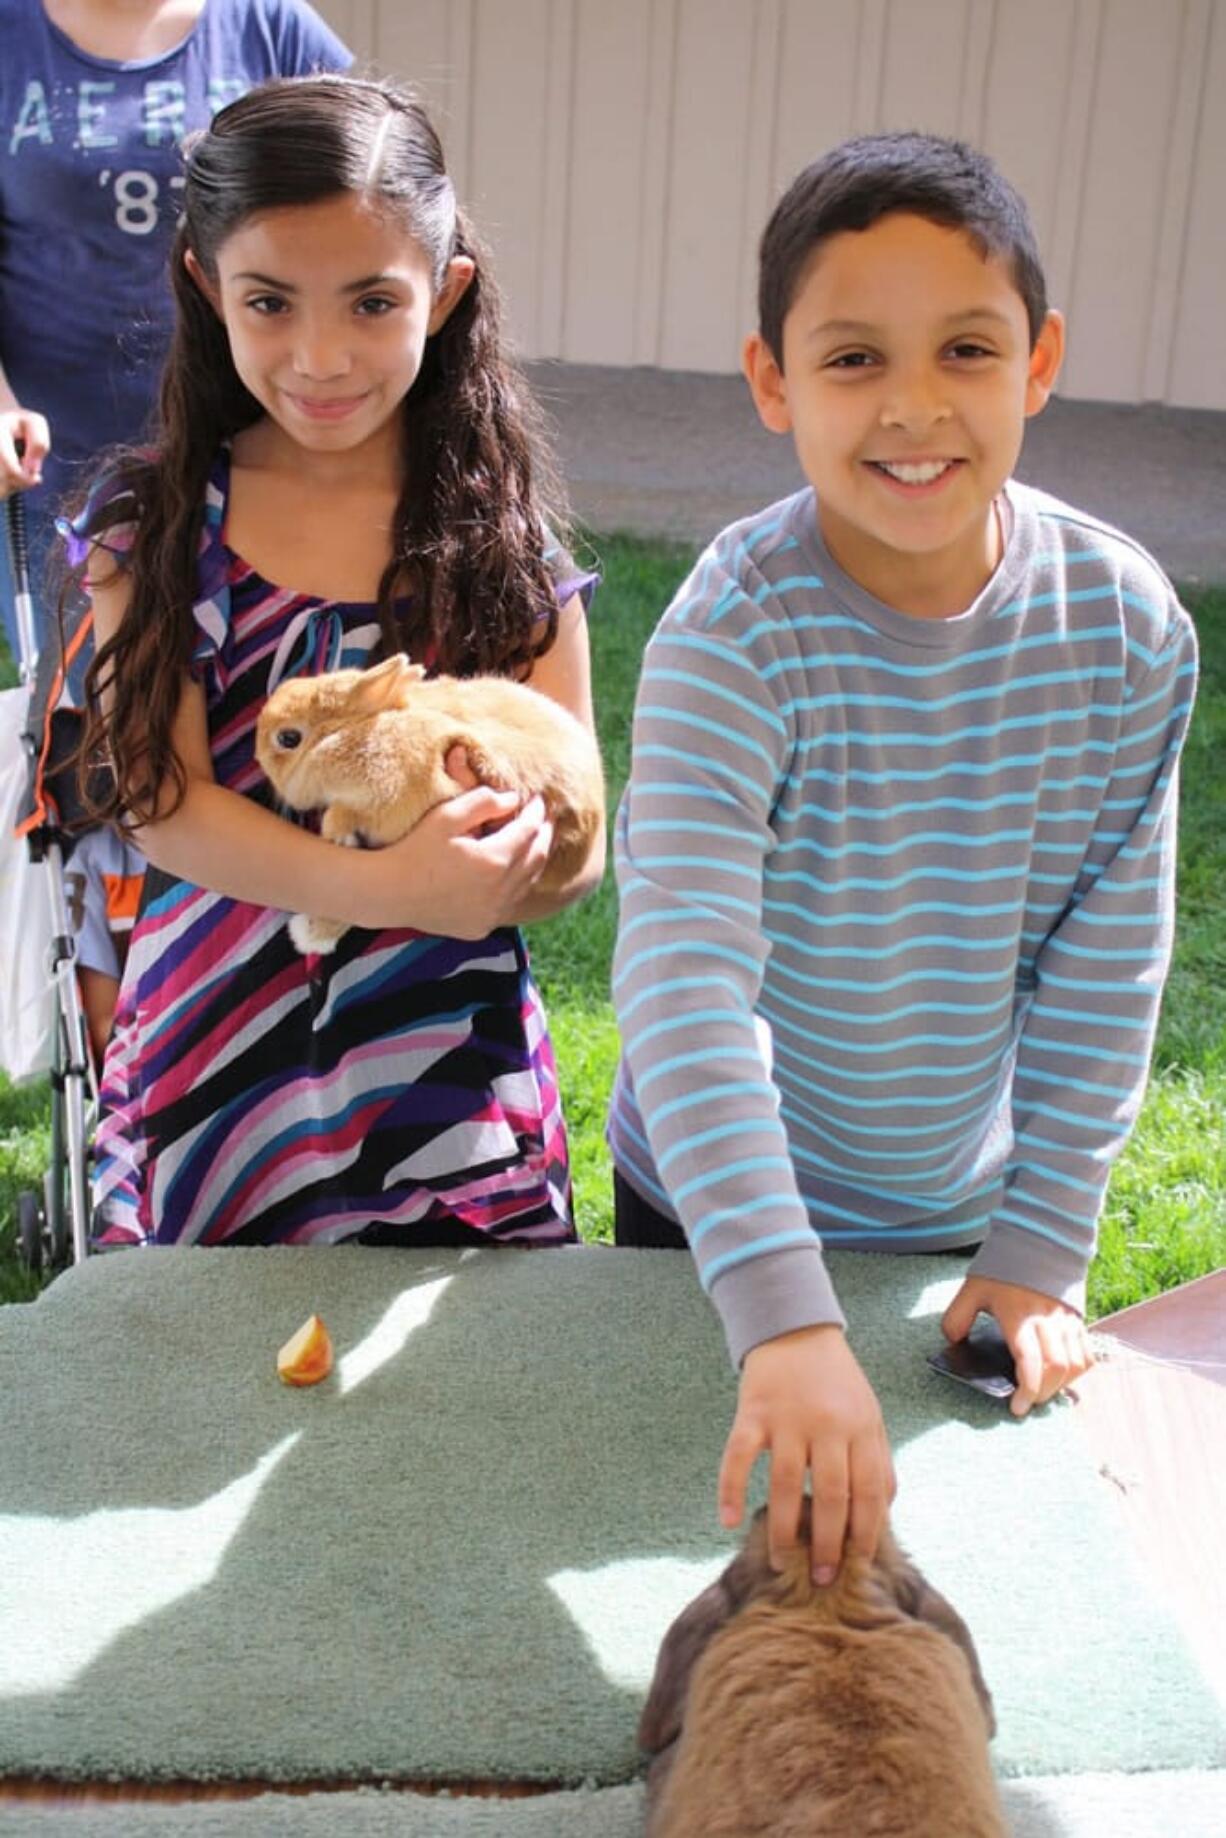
x,y
455,1558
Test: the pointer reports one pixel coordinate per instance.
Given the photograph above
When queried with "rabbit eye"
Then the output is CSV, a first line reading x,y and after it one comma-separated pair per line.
x,y
288,738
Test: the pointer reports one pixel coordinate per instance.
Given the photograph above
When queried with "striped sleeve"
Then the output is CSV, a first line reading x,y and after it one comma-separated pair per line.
x,y
1084,1047
711,748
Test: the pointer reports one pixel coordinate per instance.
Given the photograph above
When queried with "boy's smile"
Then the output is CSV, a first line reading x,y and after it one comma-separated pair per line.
x,y
907,378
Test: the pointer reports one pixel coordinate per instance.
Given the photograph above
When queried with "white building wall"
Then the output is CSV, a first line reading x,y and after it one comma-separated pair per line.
x,y
622,156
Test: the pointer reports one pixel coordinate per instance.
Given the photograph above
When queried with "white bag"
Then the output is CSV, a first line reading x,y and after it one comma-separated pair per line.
x,y
27,987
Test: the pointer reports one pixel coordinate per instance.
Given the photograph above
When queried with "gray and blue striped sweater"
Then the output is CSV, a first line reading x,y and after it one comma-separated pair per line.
x,y
936,858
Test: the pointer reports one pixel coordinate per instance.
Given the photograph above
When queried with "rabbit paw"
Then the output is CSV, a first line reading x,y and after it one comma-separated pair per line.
x,y
315,936
341,826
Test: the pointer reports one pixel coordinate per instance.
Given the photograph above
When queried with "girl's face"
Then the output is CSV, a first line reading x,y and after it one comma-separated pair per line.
x,y
327,308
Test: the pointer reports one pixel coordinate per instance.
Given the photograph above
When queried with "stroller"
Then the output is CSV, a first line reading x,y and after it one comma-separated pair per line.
x,y
54,1226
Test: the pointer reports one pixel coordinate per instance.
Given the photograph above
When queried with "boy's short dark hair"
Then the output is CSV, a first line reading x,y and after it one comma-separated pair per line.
x,y
875,175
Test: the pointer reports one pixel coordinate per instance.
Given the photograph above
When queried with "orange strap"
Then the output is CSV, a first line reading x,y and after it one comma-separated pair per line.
x,y
122,900
38,816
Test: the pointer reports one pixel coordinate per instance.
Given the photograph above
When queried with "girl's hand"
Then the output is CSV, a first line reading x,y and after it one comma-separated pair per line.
x,y
18,473
466,867
1047,1339
805,1398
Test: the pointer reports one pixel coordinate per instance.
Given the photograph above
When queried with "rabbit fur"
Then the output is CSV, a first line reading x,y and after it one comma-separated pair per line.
x,y
780,1708
369,748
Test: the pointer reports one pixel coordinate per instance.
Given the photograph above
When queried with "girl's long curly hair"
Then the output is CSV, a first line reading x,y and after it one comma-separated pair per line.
x,y
470,530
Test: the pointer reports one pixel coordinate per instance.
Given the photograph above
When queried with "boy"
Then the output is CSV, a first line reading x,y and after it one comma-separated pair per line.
x,y
903,789
103,885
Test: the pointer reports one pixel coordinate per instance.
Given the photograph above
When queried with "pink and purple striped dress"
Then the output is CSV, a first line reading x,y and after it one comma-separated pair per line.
x,y
401,1090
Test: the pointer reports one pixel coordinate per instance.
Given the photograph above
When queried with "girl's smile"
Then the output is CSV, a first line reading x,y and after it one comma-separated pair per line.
x,y
324,408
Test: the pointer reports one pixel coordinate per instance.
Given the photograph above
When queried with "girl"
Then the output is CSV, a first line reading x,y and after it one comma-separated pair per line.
x,y
345,467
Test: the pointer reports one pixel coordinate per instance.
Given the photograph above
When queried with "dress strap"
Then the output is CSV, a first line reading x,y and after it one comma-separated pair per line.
x,y
316,638
211,607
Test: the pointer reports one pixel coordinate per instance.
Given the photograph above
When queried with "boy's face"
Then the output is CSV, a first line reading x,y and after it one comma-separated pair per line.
x,y
907,378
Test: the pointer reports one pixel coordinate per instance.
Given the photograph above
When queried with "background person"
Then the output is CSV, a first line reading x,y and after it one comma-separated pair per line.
x,y
95,99
102,884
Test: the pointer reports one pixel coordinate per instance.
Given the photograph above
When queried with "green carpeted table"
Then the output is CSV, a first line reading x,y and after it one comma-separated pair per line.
x,y
455,1558
1059,1806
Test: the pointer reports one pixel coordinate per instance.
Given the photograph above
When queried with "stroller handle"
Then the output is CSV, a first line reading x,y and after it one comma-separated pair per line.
x,y
19,564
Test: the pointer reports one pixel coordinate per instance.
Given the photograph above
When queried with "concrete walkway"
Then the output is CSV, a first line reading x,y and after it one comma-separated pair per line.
x,y
677,453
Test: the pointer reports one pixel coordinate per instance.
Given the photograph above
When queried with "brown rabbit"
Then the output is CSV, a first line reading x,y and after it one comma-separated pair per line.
x,y
783,1709
370,746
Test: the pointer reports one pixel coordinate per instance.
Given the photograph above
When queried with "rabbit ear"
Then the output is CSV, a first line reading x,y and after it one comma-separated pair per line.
x,y
384,685
917,1598
679,1652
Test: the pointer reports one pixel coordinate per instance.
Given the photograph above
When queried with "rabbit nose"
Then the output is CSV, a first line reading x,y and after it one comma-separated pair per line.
x,y
288,738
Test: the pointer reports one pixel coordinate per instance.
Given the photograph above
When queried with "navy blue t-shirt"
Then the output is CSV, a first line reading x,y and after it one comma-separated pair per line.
x,y
89,179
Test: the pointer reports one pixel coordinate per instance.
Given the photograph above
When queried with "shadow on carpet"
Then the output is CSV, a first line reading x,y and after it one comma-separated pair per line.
x,y
455,1558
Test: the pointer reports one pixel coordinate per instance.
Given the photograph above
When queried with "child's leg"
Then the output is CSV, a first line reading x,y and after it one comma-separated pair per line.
x,y
637,1223
98,995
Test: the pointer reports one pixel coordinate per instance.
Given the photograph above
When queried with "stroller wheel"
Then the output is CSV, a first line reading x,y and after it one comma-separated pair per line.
x,y
56,1219
29,1231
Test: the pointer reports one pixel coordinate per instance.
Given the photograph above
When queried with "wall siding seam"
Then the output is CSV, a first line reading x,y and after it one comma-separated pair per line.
x,y
555,179
1198,352
869,66
762,107
655,188
1179,170
1080,102
979,39
461,55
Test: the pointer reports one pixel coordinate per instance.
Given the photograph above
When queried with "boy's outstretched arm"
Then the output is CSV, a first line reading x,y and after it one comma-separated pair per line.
x,y
712,742
1084,1048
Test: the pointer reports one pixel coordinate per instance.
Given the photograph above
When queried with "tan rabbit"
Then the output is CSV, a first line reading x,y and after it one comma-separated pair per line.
x,y
369,747
783,1709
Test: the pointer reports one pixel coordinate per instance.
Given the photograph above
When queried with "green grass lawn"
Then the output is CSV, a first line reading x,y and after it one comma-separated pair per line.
x,y
1165,1219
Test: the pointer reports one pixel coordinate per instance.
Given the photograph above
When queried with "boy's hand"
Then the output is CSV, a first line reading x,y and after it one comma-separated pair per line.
x,y
804,1397
1047,1339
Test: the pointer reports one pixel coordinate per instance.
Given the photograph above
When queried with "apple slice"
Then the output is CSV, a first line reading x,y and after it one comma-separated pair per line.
x,y
307,1356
